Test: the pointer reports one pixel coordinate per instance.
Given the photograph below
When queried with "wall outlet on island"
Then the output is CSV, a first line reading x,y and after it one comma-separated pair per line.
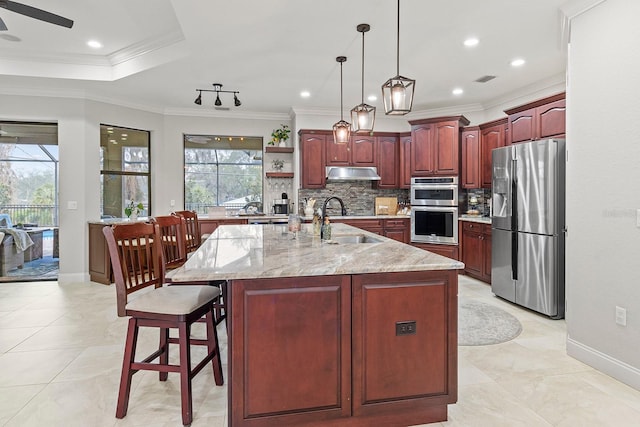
x,y
621,316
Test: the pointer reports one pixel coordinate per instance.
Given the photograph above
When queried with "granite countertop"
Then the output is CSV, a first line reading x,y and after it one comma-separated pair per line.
x,y
111,221
270,217
475,218
268,250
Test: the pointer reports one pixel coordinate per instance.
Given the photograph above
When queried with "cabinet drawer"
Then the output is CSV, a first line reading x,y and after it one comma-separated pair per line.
x,y
362,223
396,223
473,226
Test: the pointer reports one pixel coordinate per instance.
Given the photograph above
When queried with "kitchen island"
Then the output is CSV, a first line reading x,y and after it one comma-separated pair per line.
x,y
333,334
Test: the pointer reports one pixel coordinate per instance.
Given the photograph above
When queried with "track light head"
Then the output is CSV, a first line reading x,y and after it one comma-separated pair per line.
x,y
218,102
236,101
217,88
198,100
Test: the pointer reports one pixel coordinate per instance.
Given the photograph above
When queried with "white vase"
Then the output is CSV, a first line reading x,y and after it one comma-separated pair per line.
x,y
282,143
134,216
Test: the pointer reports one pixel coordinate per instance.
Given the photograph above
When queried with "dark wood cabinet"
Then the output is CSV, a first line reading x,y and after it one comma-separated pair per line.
x,y
435,146
99,261
371,225
332,352
398,229
364,150
476,250
492,136
208,226
388,162
450,251
422,150
470,158
544,118
337,154
312,155
405,161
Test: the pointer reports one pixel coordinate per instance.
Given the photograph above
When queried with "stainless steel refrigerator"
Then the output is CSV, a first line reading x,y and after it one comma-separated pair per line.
x,y
528,225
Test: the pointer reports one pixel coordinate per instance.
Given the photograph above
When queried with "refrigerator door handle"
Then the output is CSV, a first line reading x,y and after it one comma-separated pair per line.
x,y
514,220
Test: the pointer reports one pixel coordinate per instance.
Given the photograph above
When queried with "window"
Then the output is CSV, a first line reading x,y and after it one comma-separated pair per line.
x,y
125,172
222,171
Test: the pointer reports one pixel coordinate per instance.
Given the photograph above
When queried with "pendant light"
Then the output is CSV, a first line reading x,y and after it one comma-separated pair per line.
x,y
363,115
397,92
342,129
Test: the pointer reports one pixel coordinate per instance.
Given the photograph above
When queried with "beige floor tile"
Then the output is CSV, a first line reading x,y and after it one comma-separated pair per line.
x,y
33,367
12,399
11,337
29,318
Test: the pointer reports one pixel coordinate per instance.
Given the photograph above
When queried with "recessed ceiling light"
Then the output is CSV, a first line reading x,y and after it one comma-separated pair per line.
x,y
372,98
94,44
457,91
517,62
471,41
305,94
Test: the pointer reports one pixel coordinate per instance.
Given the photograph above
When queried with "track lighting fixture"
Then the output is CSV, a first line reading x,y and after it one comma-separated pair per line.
x,y
363,115
342,129
217,88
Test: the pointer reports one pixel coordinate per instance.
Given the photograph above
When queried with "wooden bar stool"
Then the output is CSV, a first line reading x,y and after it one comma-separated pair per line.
x,y
137,261
193,236
174,240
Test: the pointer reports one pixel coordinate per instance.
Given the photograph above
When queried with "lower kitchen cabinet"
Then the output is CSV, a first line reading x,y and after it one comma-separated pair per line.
x,y
476,250
208,226
396,228
99,262
450,251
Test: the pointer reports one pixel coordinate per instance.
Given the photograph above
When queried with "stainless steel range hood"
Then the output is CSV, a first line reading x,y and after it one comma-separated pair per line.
x,y
352,173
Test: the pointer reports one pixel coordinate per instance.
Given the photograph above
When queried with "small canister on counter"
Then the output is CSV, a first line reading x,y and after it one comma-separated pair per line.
x,y
325,232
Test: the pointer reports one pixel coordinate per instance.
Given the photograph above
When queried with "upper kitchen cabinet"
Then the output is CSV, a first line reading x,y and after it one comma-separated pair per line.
x,y
405,161
388,161
541,119
471,158
492,136
312,155
360,151
435,146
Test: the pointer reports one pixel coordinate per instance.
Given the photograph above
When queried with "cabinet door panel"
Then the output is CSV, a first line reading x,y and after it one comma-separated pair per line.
x,y
446,148
551,119
490,138
311,319
363,151
422,150
522,126
405,161
313,160
472,253
337,154
388,164
471,159
399,368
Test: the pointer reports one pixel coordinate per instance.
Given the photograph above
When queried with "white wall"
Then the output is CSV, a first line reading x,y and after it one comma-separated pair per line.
x,y
603,189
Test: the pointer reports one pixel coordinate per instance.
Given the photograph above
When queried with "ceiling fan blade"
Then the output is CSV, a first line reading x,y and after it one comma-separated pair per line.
x,y
34,12
3,27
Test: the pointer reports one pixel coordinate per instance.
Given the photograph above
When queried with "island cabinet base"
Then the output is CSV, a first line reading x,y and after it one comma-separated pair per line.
x,y
344,350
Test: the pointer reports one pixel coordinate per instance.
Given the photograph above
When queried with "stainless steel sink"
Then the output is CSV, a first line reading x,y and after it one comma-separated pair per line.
x,y
354,239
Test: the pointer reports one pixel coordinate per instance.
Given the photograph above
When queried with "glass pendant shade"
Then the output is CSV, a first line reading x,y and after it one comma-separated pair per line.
x,y
341,132
363,117
397,92
342,129
397,95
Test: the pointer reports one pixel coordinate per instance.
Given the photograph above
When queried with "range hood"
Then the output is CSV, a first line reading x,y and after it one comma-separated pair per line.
x,y
352,173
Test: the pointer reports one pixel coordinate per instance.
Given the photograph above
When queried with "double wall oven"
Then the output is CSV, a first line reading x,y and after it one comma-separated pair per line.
x,y
434,210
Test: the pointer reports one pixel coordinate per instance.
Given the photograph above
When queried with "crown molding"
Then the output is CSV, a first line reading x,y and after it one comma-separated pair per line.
x,y
229,114
567,12
146,46
540,89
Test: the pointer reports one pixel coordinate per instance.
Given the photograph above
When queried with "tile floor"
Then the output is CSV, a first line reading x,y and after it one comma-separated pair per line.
x,y
61,349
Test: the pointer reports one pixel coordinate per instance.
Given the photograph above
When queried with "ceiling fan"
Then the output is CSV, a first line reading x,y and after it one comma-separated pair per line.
x,y
33,12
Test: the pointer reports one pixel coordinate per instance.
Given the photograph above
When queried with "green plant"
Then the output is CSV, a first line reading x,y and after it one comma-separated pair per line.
x,y
132,207
278,164
281,134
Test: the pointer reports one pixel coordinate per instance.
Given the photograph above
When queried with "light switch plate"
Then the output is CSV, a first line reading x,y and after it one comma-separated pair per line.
x,y
72,205
638,218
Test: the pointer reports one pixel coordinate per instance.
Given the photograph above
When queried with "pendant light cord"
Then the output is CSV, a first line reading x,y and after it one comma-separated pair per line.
x,y
398,43
341,119
362,100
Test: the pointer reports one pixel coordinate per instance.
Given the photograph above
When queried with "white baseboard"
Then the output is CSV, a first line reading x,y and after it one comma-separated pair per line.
x,y
73,278
617,369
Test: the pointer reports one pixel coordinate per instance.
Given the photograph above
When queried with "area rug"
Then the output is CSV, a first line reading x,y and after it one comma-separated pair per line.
x,y
45,268
484,324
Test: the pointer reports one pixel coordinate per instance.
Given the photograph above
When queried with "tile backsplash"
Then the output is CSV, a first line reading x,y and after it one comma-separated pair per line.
x,y
483,198
358,196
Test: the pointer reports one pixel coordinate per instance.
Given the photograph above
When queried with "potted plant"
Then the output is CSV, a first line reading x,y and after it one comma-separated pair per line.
x,y
280,135
133,209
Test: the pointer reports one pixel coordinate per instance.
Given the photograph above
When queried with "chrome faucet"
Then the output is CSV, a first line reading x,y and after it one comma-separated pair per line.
x,y
343,210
